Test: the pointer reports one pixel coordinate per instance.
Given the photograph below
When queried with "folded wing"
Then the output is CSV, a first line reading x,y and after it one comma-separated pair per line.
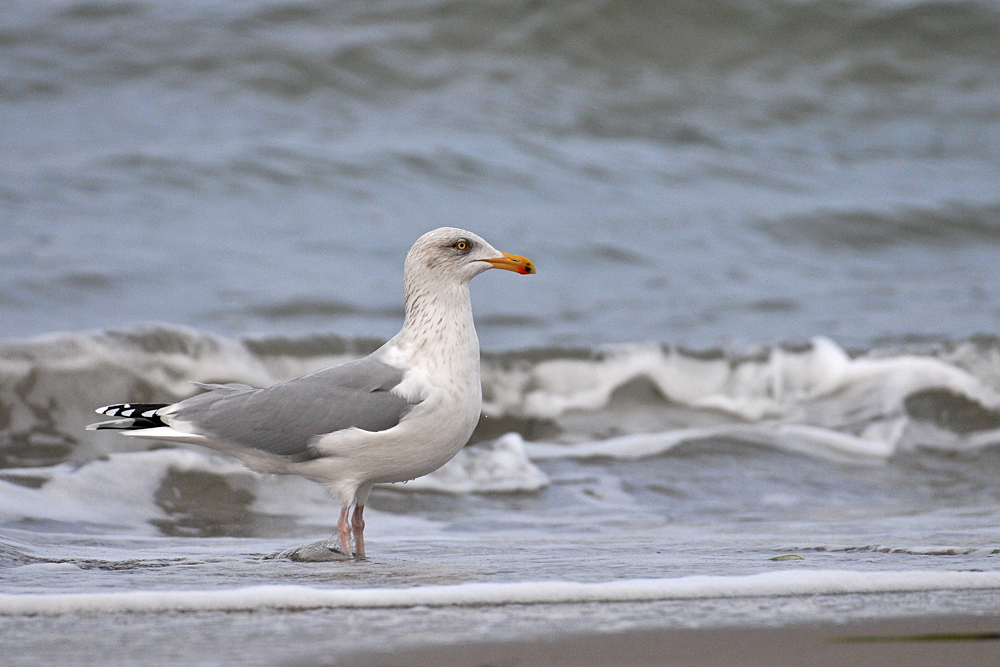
x,y
287,418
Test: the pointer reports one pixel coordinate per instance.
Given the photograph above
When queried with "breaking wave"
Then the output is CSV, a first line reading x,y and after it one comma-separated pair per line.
x,y
622,401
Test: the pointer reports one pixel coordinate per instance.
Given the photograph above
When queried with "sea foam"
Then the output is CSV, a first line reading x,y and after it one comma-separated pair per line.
x,y
770,584
812,441
815,400
500,466
820,384
126,490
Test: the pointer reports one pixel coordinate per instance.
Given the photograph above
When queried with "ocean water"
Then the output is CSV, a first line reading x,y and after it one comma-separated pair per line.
x,y
764,325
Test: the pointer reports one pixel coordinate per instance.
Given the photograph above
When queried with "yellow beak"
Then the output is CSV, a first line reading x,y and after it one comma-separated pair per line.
x,y
510,262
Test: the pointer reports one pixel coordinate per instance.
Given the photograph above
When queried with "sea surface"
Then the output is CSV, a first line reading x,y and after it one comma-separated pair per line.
x,y
765,322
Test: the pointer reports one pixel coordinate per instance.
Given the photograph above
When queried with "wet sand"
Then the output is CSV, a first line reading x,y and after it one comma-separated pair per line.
x,y
919,642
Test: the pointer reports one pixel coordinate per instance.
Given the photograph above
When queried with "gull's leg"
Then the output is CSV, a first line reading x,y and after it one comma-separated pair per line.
x,y
358,523
344,530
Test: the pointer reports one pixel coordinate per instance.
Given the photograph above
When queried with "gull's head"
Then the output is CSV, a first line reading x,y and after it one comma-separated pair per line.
x,y
450,254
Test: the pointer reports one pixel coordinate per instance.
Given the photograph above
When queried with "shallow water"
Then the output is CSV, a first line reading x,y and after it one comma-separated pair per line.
x,y
764,321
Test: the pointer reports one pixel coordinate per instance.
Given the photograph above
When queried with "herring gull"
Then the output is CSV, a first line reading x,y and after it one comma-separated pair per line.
x,y
399,413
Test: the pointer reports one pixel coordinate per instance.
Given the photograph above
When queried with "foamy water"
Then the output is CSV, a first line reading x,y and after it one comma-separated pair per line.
x,y
637,475
298,598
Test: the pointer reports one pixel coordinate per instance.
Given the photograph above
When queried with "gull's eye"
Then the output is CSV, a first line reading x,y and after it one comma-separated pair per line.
x,y
462,245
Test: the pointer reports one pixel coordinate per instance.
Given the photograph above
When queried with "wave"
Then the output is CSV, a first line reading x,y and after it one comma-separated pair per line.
x,y
356,100
624,401
190,493
544,409
125,491
812,441
949,225
873,396
909,551
293,49
499,466
819,402
298,598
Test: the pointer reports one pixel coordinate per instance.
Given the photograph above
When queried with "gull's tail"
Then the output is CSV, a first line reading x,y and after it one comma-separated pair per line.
x,y
133,416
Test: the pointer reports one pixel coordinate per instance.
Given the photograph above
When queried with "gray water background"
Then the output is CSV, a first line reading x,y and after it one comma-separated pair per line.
x,y
723,173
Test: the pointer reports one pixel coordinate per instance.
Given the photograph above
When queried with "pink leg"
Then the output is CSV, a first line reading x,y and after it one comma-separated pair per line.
x,y
358,523
344,530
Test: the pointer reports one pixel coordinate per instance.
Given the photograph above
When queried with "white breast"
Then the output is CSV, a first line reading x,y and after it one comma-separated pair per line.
x,y
442,363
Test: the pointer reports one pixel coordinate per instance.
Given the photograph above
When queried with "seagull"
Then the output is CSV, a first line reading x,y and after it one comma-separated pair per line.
x,y
401,412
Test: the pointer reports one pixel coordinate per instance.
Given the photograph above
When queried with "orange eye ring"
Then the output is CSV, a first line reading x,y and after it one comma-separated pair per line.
x,y
462,245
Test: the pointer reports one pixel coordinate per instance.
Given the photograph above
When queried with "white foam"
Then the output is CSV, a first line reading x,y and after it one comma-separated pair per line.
x,y
769,584
822,385
626,447
500,466
118,490
819,401
832,445
810,440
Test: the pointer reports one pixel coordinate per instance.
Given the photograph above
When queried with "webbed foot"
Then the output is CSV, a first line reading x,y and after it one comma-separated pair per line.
x,y
317,552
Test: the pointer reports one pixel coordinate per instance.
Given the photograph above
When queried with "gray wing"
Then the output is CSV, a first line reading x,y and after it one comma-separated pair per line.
x,y
286,418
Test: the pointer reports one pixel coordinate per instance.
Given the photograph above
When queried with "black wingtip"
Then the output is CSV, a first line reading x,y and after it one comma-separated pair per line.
x,y
134,416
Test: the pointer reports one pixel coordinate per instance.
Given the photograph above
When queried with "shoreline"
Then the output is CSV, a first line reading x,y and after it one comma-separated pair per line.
x,y
506,637
911,642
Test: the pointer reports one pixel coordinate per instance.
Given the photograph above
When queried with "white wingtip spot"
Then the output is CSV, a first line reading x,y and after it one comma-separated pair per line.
x,y
149,413
127,413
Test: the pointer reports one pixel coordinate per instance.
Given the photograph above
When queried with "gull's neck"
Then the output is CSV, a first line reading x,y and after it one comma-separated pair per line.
x,y
438,330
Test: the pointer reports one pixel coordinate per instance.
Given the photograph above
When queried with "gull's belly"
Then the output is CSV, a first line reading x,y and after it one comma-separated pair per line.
x,y
423,444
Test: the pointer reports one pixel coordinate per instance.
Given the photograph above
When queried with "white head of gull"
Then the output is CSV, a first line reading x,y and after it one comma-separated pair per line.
x,y
399,413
